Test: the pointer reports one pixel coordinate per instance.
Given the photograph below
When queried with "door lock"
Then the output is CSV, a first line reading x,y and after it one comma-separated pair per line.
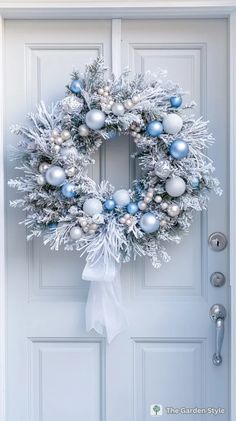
x,y
217,241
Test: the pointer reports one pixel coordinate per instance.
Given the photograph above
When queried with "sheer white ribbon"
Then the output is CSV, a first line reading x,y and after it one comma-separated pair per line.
x,y
104,307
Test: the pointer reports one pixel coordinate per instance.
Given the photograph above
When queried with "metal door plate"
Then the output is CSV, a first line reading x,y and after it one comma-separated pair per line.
x,y
217,241
217,279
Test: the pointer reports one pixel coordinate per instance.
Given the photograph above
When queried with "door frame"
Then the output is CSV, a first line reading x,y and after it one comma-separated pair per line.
x,y
116,11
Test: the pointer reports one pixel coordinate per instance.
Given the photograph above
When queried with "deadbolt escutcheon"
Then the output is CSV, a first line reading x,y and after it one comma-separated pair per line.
x,y
217,279
217,241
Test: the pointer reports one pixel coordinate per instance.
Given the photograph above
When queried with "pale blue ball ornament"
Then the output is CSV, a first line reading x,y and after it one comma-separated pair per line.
x,y
109,204
195,182
149,223
179,149
76,86
176,101
155,128
132,208
68,190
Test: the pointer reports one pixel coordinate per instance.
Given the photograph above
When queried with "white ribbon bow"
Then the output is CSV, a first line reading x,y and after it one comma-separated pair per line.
x,y
104,307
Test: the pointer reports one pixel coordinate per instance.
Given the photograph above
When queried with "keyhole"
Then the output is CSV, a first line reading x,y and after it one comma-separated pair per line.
x,y
217,243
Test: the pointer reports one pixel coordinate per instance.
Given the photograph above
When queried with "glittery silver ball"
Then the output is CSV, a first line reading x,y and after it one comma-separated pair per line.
x,y
162,169
72,104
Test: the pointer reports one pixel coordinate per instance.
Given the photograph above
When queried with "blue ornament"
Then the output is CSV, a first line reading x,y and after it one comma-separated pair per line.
x,y
176,101
76,86
52,226
195,182
109,204
132,208
155,128
68,190
179,149
149,223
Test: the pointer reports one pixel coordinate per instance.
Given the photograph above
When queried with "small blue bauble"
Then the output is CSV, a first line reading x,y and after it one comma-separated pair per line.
x,y
132,208
52,226
195,182
76,86
155,128
176,101
68,190
179,149
109,204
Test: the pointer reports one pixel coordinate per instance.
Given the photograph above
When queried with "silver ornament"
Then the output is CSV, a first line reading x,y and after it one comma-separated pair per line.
x,y
95,119
118,109
65,135
92,206
43,167
83,130
175,186
162,169
173,210
76,233
72,104
55,175
41,180
149,223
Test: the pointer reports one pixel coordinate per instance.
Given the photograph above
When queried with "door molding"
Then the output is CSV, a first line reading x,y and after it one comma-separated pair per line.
x,y
115,11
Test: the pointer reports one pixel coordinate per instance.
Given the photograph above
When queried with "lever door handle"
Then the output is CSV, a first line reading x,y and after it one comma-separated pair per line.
x,y
218,315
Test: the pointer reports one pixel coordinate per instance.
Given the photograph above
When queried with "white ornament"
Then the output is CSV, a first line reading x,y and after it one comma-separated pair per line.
x,y
95,119
65,135
43,167
55,175
135,99
56,148
142,205
175,186
128,104
72,104
121,197
172,123
76,233
118,109
41,180
58,140
55,133
92,206
173,210
83,130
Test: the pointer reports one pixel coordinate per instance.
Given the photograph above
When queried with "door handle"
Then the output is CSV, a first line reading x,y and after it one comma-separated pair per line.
x,y
218,315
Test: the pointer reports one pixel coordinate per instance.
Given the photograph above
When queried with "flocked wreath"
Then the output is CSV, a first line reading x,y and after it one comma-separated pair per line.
x,y
67,207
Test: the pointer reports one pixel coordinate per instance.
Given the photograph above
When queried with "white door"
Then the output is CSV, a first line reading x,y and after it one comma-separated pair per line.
x,y
55,370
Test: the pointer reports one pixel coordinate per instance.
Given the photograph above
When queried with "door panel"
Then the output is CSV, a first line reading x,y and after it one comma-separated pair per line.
x,y
57,371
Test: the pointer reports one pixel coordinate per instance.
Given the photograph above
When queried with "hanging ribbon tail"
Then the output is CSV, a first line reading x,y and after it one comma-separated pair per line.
x,y
104,309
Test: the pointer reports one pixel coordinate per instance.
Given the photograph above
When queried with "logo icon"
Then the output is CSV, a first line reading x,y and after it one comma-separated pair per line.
x,y
156,410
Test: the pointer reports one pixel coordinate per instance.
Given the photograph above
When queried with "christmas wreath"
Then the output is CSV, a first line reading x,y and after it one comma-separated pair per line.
x,y
65,206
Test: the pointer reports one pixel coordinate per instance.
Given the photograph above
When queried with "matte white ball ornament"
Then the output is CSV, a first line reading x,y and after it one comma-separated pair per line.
x,y
172,123
55,175
92,206
76,233
121,197
175,186
95,119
